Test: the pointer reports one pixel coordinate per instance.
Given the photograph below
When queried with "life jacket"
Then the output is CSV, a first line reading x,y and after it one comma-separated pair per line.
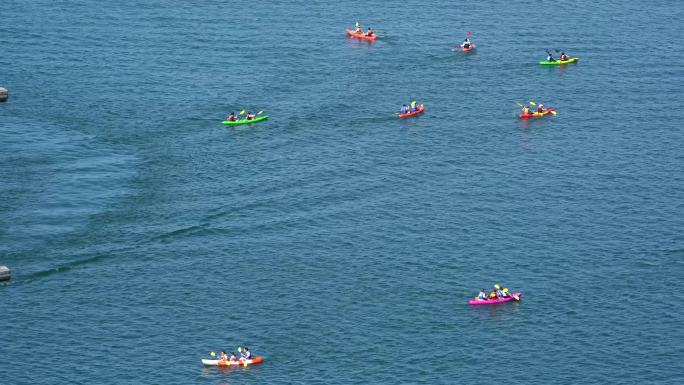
x,y
369,33
540,108
492,294
526,111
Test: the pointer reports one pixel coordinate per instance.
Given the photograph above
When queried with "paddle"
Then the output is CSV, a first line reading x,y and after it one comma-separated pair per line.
x,y
241,112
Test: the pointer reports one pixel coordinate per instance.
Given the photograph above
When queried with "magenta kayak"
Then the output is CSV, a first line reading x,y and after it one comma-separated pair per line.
x,y
496,300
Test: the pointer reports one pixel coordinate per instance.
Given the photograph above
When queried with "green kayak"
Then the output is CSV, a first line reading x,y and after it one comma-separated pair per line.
x,y
558,62
245,121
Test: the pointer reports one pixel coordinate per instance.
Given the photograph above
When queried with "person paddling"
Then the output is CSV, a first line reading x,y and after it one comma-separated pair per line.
x,y
549,57
482,296
223,356
404,109
526,110
466,43
245,354
505,293
563,56
249,116
370,32
499,292
232,358
413,106
358,29
540,108
232,117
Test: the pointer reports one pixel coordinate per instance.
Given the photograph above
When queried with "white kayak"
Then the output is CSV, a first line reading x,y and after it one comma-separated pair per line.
x,y
254,360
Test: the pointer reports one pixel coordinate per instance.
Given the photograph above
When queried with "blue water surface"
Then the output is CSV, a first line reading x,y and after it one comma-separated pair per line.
x,y
336,240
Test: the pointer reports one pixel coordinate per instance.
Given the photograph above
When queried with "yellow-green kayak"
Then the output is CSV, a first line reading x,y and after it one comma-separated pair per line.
x,y
558,62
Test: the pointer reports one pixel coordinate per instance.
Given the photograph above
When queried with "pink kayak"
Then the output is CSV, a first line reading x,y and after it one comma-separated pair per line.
x,y
496,300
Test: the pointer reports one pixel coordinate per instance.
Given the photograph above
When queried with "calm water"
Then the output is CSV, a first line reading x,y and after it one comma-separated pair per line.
x,y
334,239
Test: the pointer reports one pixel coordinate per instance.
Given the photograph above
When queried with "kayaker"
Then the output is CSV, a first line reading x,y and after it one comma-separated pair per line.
x,y
492,295
232,117
249,116
466,43
483,295
404,109
505,293
525,110
223,356
369,32
540,108
233,359
357,29
245,354
549,57
413,106
499,292
563,56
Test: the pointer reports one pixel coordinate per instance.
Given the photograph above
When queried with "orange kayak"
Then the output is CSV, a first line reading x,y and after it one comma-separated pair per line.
x,y
360,35
418,111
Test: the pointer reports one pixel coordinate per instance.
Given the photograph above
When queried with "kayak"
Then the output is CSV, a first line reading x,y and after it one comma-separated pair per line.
x,y
495,300
536,114
419,111
245,121
360,35
558,62
468,49
255,360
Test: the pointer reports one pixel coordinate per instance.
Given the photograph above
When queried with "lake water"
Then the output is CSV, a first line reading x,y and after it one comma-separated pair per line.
x,y
334,239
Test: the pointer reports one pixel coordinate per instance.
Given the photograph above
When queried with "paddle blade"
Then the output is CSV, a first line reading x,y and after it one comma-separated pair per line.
x,y
554,113
519,105
532,103
213,354
468,34
260,112
241,112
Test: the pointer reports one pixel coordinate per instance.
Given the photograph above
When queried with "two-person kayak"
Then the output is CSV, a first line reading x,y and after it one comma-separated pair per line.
x,y
537,114
361,35
418,111
245,121
560,62
512,297
251,361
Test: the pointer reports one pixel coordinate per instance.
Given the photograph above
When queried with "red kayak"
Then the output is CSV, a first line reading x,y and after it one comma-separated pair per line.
x,y
468,49
418,111
537,114
495,300
361,35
